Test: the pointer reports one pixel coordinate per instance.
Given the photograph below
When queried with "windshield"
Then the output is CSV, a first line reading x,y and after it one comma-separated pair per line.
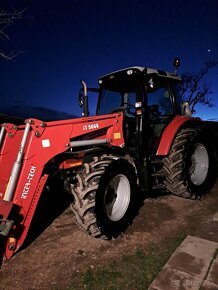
x,y
118,94
112,101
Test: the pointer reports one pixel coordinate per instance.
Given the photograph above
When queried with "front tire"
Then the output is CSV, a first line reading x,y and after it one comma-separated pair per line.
x,y
104,196
189,167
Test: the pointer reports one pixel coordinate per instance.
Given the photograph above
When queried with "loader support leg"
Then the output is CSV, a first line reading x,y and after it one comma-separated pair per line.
x,y
16,167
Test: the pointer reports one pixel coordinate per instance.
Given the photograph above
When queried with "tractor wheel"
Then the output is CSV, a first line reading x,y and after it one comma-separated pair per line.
x,y
189,167
104,196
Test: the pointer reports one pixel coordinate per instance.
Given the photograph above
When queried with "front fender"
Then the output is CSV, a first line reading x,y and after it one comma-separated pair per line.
x,y
170,132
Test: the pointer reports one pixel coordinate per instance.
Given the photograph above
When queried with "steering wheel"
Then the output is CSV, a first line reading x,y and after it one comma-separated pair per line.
x,y
125,110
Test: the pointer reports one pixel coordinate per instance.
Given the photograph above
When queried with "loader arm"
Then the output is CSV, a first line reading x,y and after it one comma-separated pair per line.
x,y
10,137
38,143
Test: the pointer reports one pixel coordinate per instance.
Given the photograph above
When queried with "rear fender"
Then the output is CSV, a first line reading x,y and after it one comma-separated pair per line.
x,y
171,131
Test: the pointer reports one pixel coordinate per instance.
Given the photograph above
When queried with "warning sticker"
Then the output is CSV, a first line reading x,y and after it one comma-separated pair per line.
x,y
45,143
117,135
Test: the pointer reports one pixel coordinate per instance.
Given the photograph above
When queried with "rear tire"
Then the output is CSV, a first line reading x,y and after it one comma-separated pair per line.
x,y
189,167
104,196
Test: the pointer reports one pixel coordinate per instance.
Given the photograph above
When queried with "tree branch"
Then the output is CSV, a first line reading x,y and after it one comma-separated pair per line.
x,y
192,89
7,19
9,56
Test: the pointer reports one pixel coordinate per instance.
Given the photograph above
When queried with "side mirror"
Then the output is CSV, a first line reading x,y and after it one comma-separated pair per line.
x,y
186,111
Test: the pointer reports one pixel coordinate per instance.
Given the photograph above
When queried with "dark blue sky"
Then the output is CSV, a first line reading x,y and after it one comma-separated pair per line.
x,y
64,41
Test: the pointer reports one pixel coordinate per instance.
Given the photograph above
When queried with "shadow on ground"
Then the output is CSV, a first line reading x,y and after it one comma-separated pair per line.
x,y
53,202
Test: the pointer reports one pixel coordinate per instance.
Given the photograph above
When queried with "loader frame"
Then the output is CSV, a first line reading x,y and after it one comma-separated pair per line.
x,y
40,142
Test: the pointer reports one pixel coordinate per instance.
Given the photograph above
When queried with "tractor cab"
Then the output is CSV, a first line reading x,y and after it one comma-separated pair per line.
x,y
148,99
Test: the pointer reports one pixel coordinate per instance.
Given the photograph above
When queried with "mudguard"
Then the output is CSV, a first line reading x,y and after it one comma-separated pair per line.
x,y
170,132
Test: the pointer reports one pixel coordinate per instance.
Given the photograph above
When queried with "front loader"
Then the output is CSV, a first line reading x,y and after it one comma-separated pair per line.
x,y
142,137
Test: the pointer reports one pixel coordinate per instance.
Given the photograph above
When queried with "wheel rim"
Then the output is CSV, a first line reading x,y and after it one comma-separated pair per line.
x,y
199,164
117,197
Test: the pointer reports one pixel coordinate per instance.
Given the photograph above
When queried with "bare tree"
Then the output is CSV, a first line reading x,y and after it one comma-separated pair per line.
x,y
7,18
194,88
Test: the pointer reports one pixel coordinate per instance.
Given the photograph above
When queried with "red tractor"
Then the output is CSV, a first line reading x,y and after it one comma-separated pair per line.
x,y
142,137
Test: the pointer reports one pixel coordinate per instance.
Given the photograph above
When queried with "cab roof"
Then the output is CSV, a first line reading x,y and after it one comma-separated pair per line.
x,y
143,70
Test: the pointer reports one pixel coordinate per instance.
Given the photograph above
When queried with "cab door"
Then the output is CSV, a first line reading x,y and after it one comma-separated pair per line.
x,y
160,109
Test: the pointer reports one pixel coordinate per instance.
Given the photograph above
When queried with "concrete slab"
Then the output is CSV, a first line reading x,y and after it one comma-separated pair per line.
x,y
208,286
188,266
193,256
173,279
213,273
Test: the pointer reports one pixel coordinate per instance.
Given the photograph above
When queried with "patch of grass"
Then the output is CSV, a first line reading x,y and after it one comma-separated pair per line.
x,y
211,262
101,278
215,254
135,271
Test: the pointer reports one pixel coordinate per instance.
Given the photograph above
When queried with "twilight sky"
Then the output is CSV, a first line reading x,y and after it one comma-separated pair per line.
x,y
64,41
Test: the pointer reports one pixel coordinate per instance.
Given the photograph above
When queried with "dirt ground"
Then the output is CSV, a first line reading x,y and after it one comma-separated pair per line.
x,y
62,249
